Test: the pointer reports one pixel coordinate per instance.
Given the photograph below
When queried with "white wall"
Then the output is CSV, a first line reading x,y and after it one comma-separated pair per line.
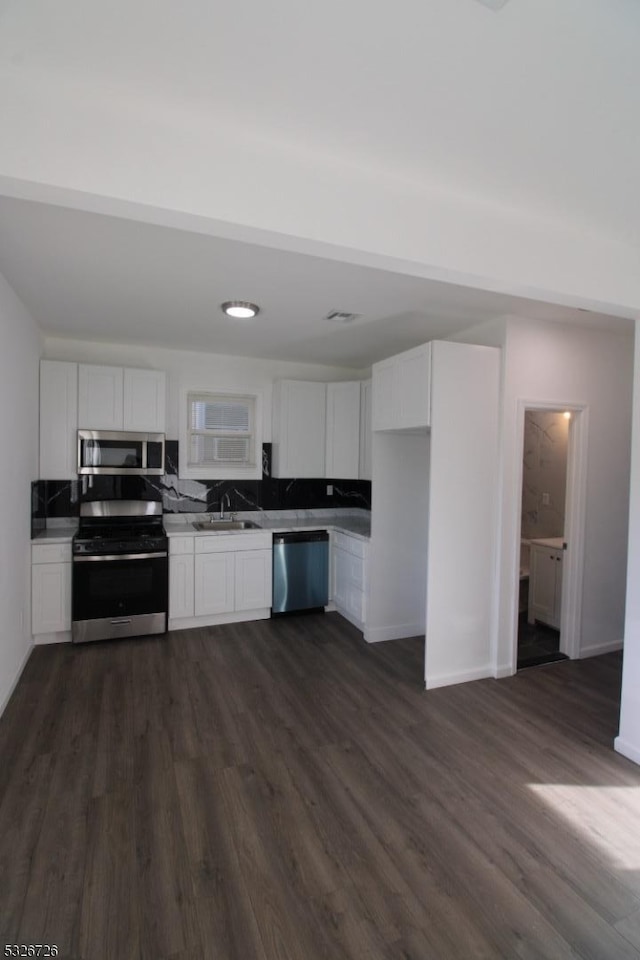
x,y
628,741
19,360
463,500
564,365
200,370
399,534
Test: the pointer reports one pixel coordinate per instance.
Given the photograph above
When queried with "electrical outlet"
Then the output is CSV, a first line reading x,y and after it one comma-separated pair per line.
x,y
546,499
329,489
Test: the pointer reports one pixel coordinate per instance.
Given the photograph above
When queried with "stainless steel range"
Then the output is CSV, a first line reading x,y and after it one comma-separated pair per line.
x,y
120,583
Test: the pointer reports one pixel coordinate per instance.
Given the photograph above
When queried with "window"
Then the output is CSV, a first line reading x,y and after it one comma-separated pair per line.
x,y
220,435
220,430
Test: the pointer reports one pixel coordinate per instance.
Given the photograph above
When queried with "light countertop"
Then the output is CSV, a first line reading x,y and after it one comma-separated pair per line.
x,y
355,524
58,531
554,542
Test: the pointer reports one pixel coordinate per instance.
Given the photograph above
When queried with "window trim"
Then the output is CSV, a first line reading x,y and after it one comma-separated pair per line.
x,y
231,471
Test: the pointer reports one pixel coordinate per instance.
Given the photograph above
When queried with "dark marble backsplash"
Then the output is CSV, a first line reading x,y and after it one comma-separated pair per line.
x,y
61,498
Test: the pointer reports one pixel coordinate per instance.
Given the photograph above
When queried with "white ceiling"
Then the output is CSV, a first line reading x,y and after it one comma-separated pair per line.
x,y
88,276
532,107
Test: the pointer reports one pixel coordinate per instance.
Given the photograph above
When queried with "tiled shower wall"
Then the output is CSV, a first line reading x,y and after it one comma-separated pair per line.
x,y
61,498
544,471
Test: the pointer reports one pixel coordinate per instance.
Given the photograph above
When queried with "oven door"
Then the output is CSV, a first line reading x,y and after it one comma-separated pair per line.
x,y
118,453
119,596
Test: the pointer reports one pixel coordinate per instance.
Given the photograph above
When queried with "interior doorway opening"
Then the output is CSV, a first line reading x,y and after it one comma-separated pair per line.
x,y
550,555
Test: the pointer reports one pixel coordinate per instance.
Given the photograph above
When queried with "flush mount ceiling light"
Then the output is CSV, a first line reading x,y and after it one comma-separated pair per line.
x,y
494,4
241,309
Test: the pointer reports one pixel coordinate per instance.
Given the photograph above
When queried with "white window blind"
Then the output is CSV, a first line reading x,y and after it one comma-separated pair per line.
x,y
220,430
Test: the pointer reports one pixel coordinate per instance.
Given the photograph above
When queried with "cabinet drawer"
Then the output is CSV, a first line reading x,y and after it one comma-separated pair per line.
x,y
351,544
224,543
180,545
51,553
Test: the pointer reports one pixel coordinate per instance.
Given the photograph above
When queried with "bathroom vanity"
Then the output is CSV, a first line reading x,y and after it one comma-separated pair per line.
x,y
545,581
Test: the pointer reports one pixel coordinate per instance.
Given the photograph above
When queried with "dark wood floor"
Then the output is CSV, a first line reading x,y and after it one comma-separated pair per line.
x,y
281,790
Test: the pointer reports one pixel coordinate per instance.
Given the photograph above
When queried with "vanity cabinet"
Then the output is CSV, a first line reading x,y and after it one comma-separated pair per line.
x,y
342,455
402,390
50,590
58,420
545,584
121,398
349,576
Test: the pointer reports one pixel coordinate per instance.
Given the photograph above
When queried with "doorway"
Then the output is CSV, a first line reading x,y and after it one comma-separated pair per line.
x,y
551,532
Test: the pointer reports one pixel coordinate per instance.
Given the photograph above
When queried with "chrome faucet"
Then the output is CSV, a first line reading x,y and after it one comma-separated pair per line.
x,y
224,497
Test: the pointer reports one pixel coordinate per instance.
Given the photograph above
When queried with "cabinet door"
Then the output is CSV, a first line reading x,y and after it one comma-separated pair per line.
x,y
253,579
50,597
299,429
58,420
181,587
413,384
343,430
214,577
144,400
384,395
340,577
365,430
542,584
100,397
557,607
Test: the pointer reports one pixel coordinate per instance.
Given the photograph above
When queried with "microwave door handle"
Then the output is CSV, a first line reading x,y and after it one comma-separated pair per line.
x,y
144,454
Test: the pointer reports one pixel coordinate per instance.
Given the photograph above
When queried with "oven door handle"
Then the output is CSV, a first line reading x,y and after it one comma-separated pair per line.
x,y
120,556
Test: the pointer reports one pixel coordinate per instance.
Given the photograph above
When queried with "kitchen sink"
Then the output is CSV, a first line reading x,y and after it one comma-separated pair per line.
x,y
226,525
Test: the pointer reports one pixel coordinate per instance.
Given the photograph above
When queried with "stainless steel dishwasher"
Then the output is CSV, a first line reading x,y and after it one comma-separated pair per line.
x,y
300,571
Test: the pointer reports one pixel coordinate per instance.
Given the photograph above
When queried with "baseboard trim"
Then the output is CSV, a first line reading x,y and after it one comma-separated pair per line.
x,y
40,639
13,686
506,670
622,746
462,676
216,619
600,648
397,632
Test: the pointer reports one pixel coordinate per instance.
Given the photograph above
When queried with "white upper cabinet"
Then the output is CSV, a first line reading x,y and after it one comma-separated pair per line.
x,y
58,420
100,400
144,400
365,430
343,430
299,424
113,398
402,390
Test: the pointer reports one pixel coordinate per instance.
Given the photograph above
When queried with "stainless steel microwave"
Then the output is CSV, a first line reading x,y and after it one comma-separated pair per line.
x,y
120,453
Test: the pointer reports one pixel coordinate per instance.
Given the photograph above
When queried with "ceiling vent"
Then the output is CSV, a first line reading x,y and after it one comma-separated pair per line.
x,y
341,316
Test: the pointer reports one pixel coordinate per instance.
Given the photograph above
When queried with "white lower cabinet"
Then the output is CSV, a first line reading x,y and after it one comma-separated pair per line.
x,y
253,574
219,578
50,589
181,587
214,584
350,578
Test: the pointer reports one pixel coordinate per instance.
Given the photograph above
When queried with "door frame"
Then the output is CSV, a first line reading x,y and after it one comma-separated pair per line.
x,y
574,528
